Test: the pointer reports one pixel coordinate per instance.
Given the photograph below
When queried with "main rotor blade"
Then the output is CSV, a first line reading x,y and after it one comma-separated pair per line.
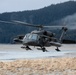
x,y
69,26
53,26
22,23
73,26
28,24
7,22
39,26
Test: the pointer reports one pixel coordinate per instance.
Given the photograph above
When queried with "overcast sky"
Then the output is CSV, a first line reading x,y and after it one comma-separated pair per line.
x,y
20,5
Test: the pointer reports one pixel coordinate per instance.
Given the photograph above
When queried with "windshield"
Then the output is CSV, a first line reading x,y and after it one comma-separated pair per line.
x,y
33,36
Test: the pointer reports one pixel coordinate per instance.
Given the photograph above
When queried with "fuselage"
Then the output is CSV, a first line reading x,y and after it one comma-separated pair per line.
x,y
33,39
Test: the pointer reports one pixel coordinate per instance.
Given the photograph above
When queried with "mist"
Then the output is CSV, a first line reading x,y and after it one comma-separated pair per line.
x,y
69,21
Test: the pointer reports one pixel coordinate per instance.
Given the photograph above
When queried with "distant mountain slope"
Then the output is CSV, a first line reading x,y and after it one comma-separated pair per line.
x,y
43,16
48,15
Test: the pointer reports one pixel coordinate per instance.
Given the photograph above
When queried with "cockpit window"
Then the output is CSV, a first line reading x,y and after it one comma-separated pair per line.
x,y
33,36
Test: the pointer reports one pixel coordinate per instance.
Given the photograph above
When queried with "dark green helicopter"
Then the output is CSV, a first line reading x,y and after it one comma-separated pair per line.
x,y
41,38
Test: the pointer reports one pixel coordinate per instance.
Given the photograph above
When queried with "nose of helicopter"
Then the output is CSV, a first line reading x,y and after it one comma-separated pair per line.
x,y
30,42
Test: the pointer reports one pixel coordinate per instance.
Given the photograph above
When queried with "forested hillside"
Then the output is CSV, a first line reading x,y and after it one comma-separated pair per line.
x,y
52,14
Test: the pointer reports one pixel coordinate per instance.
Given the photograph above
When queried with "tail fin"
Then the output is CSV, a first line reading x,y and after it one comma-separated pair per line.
x,y
64,29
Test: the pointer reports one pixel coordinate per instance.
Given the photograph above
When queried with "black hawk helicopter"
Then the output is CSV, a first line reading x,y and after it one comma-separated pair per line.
x,y
40,38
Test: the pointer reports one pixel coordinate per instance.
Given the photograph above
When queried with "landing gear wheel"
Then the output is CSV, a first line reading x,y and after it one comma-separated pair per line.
x,y
27,47
44,49
57,49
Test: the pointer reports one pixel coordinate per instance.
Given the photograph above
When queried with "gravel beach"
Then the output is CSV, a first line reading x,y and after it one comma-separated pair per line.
x,y
45,66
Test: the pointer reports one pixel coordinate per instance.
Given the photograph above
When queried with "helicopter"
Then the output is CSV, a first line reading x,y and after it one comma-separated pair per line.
x,y
40,38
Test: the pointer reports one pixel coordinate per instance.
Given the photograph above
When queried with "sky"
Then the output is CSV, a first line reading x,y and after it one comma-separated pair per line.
x,y
21,5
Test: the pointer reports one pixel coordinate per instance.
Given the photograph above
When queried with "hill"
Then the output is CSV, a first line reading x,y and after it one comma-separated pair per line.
x,y
52,14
